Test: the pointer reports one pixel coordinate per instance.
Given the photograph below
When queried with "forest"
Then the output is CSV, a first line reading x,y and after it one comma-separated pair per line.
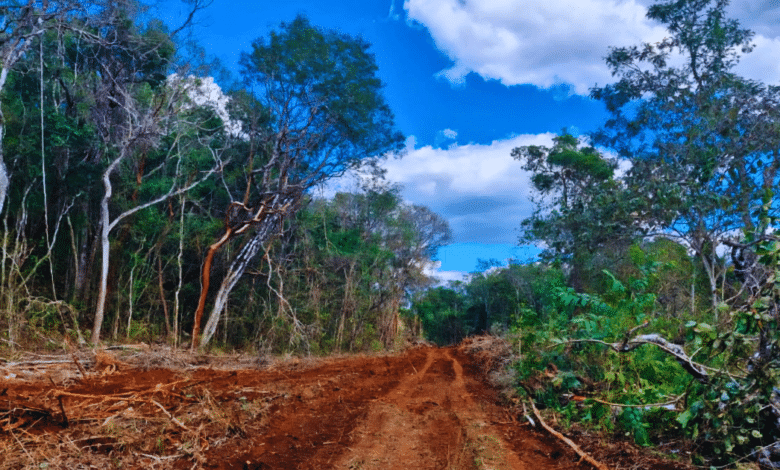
x,y
142,202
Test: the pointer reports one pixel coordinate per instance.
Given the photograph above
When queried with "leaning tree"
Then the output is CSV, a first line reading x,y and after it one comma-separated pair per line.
x,y
313,110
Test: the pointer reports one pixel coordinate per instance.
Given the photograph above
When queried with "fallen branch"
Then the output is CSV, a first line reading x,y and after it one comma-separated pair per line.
x,y
172,418
64,415
648,405
78,364
23,448
525,413
125,347
583,455
36,363
698,371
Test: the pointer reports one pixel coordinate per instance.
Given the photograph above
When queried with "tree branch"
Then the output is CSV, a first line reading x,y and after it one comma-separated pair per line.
x,y
698,371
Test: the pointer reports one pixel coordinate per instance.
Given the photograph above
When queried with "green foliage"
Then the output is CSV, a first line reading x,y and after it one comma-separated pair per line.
x,y
107,70
517,298
347,269
726,413
701,140
581,209
442,312
320,86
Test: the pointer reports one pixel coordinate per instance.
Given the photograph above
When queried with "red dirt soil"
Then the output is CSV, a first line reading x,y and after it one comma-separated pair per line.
x,y
426,408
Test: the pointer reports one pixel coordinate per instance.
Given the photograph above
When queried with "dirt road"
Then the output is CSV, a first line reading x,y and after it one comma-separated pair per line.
x,y
427,408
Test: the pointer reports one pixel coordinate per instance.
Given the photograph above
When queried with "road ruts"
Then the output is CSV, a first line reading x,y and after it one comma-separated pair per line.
x,y
428,421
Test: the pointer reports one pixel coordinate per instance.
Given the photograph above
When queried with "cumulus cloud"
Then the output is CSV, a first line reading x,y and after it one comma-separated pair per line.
x,y
480,189
445,277
761,16
532,42
204,91
444,136
450,134
763,64
553,45
433,270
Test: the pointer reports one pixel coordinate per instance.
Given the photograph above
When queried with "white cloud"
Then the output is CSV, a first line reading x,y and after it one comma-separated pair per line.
x,y
763,64
204,91
547,44
433,270
444,277
761,16
480,189
450,134
472,168
535,42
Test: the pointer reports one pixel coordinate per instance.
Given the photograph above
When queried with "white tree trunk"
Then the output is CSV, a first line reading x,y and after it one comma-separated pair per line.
x,y
5,181
105,229
107,225
263,234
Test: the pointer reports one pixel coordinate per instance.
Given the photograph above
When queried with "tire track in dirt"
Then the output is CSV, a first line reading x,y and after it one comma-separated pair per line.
x,y
429,421
312,426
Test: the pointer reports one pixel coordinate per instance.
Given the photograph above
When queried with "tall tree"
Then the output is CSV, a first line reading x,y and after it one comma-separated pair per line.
x,y
132,106
20,24
323,113
703,142
580,207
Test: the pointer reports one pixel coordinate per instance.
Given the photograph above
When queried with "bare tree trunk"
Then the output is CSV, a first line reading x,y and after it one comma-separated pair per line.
x,y
176,304
21,24
130,302
83,260
4,180
709,263
264,233
347,305
162,295
105,228
106,225
205,283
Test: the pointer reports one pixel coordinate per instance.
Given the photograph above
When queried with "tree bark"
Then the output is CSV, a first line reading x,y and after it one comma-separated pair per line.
x,y
105,228
205,282
162,295
262,236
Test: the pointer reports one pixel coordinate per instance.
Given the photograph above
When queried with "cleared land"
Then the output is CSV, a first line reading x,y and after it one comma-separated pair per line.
x,y
425,408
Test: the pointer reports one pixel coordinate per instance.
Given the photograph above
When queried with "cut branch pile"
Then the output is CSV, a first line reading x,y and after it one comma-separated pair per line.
x,y
491,352
153,421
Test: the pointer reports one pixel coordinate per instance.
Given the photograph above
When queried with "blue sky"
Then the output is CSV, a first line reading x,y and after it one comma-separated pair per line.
x,y
468,80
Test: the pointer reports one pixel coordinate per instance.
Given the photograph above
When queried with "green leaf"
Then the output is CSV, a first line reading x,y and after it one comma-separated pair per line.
x,y
728,444
684,417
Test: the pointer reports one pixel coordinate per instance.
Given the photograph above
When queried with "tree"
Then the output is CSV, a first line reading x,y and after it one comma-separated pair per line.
x,y
703,144
133,106
581,208
319,112
22,23
702,141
